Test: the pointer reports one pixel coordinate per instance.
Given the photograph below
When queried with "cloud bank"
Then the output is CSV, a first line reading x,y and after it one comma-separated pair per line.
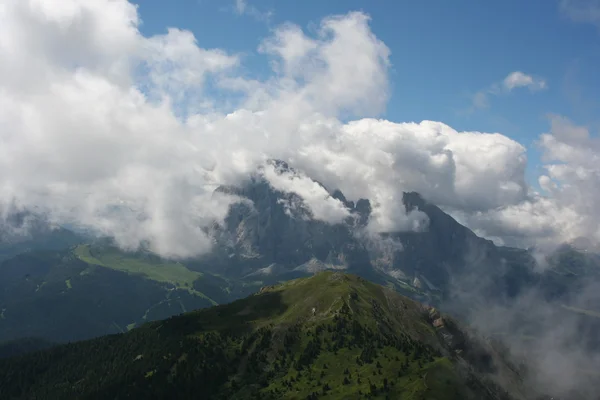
x,y
129,135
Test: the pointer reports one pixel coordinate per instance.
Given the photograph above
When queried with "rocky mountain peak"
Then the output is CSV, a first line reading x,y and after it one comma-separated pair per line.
x,y
272,227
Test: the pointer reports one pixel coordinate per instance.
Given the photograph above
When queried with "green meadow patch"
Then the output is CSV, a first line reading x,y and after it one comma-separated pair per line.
x,y
160,271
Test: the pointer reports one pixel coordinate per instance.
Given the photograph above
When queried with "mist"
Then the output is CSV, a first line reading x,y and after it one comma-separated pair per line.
x,y
547,321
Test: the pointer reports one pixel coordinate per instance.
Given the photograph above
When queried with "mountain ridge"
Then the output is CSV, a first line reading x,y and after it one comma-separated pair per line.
x,y
259,231
333,335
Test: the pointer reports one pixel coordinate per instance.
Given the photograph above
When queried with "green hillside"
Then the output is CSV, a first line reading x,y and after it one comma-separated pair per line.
x,y
331,336
90,291
158,270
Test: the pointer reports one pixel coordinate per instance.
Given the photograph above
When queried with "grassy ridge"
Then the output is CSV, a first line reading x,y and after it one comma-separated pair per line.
x,y
331,336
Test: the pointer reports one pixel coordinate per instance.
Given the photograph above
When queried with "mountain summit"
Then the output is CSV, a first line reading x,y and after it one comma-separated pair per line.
x,y
271,235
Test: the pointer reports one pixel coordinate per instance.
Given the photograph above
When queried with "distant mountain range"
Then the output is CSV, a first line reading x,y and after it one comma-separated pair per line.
x,y
262,242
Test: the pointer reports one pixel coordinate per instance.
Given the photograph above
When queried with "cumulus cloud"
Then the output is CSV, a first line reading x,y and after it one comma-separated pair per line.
x,y
565,210
378,160
514,80
174,68
104,127
89,132
116,131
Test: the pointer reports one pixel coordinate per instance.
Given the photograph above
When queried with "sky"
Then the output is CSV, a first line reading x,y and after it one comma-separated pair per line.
x,y
442,55
124,117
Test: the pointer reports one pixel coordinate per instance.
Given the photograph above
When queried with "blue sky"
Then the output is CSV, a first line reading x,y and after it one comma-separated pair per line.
x,y
442,54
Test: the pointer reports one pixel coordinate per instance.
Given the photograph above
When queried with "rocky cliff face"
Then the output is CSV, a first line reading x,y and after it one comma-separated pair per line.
x,y
272,234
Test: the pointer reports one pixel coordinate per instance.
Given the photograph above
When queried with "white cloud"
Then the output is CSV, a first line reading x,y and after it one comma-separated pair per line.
x,y
291,45
567,209
342,70
177,67
518,79
109,128
379,159
319,201
514,80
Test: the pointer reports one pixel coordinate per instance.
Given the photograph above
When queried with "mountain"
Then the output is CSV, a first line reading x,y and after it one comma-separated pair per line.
x,y
92,290
22,231
269,236
273,235
333,336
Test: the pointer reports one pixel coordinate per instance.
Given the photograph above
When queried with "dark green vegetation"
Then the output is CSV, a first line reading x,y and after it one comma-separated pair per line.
x,y
332,336
17,347
89,291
